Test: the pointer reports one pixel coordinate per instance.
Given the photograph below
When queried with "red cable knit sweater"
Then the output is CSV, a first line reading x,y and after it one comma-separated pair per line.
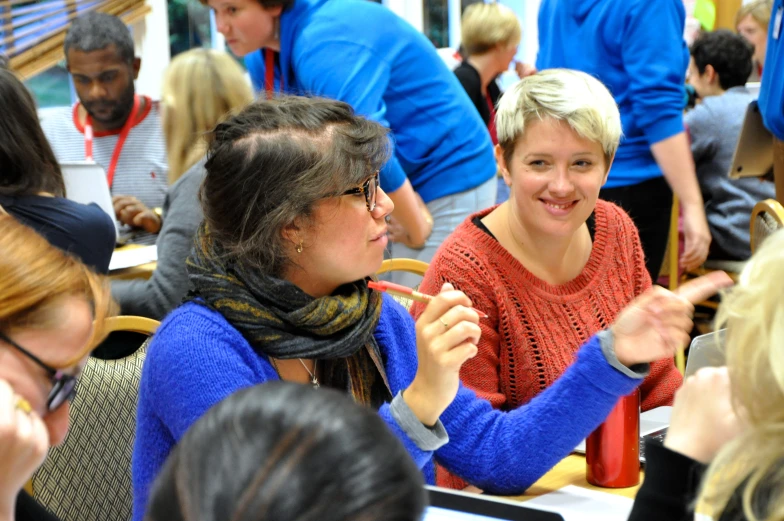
x,y
535,329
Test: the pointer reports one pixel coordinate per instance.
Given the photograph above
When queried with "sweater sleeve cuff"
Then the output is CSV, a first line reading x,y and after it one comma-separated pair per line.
x,y
671,472
607,341
664,128
426,438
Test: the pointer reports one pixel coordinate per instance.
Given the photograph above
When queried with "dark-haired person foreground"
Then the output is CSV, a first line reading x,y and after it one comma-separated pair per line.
x,y
283,451
720,64
294,224
99,55
32,188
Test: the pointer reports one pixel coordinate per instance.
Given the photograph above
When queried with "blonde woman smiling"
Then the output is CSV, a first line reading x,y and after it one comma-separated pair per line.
x,y
200,87
553,265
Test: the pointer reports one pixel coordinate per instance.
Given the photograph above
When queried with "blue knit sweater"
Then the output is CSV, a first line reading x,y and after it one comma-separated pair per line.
x,y
197,358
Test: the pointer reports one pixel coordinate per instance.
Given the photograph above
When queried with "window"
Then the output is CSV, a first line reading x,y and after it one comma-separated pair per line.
x,y
52,87
189,25
435,21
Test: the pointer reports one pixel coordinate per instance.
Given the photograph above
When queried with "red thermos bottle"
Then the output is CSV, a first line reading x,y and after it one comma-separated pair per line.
x,y
612,451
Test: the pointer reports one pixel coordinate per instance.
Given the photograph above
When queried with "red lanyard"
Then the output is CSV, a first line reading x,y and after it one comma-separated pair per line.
x,y
88,139
269,73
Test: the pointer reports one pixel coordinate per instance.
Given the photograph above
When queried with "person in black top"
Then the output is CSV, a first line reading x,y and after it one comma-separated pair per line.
x,y
490,36
32,188
725,443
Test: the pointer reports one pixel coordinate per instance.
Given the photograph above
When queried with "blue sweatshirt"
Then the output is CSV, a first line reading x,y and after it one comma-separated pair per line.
x,y
636,48
196,359
361,53
771,97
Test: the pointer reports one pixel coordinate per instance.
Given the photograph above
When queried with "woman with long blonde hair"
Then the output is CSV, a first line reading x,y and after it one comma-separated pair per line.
x,y
52,308
200,87
728,423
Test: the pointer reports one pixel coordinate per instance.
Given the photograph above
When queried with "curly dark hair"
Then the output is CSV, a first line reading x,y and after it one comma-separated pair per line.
x,y
728,53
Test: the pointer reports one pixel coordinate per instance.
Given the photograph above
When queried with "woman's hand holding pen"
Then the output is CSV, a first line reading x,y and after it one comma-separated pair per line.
x,y
447,333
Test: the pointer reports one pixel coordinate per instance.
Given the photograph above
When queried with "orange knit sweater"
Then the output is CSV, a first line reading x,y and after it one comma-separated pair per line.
x,y
535,329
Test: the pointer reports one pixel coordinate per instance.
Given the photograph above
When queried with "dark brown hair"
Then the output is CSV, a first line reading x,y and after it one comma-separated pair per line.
x,y
27,163
269,164
284,451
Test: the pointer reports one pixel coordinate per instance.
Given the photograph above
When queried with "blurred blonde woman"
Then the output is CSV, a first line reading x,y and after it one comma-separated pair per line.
x,y
743,462
752,22
51,310
491,34
200,87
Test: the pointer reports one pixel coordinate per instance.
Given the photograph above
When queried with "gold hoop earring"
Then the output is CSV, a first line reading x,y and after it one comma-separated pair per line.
x,y
299,247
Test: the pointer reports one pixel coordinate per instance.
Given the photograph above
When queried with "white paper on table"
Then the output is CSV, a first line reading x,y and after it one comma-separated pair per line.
x,y
582,504
133,257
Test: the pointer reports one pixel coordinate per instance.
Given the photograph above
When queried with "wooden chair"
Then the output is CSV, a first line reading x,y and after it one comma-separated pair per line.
x,y
414,266
88,477
766,217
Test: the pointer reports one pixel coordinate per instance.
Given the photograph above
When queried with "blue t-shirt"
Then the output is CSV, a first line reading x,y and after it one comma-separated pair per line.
x,y
771,97
634,47
361,53
83,230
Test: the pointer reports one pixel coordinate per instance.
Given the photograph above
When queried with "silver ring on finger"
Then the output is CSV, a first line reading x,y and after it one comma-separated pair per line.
x,y
443,323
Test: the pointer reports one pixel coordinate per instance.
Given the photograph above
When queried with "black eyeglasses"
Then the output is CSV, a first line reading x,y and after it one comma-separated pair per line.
x,y
369,188
63,385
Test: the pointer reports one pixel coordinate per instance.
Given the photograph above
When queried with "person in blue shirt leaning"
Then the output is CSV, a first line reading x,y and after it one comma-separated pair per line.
x,y
362,53
636,48
771,98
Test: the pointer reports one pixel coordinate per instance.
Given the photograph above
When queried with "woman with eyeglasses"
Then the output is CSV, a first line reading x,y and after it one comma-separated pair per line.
x,y
294,225
50,304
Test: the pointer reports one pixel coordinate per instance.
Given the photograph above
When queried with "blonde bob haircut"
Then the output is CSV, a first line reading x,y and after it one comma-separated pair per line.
x,y
483,26
574,97
753,313
760,10
37,276
200,88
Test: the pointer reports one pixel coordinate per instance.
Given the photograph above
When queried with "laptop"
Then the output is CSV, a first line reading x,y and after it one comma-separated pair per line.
x,y
704,351
85,182
452,505
753,156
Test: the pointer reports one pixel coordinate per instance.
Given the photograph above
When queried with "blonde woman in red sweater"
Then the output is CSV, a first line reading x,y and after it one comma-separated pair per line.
x,y
553,265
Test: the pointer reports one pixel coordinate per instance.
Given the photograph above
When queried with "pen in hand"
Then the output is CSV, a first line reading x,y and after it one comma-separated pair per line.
x,y
403,291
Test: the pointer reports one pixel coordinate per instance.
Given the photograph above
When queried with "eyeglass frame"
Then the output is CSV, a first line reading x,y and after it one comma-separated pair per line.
x,y
364,188
60,380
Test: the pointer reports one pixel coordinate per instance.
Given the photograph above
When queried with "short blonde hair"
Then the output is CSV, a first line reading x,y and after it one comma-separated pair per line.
x,y
753,312
760,10
484,26
580,100
200,88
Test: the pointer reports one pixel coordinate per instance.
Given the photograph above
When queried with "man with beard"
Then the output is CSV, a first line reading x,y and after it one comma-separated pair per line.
x,y
110,124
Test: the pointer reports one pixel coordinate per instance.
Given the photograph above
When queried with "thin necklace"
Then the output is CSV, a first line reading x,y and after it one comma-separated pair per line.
x,y
313,380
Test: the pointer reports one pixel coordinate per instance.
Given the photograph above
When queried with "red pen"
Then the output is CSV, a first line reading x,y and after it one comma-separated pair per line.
x,y
403,291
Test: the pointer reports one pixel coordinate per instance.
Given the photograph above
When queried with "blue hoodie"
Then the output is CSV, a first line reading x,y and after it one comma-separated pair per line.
x,y
362,53
636,48
771,97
